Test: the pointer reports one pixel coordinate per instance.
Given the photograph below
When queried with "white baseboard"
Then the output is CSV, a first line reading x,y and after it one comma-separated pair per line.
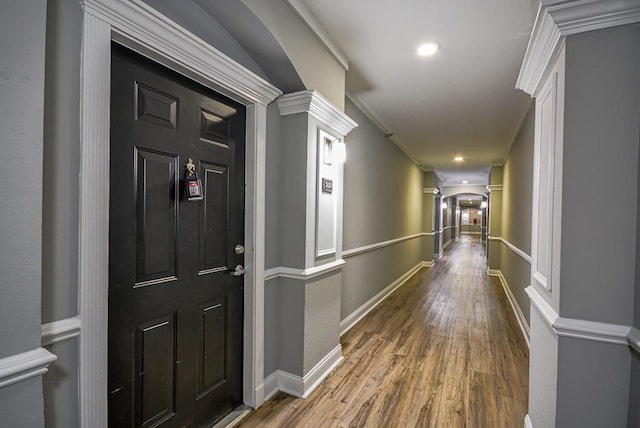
x,y
302,386
446,244
522,321
527,421
437,255
428,264
351,320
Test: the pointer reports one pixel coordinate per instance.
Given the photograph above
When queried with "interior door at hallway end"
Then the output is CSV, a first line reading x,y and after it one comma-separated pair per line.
x,y
175,311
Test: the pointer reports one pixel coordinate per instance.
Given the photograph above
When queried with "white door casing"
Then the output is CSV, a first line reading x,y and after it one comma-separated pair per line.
x,y
139,27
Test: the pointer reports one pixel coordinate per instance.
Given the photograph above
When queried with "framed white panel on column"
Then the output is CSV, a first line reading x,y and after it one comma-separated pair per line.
x,y
327,189
547,180
141,28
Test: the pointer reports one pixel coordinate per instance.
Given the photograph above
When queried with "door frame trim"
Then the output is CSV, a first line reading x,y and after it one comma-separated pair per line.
x,y
139,27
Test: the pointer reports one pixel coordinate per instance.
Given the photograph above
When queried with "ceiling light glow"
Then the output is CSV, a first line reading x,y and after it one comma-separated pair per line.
x,y
428,49
458,159
465,182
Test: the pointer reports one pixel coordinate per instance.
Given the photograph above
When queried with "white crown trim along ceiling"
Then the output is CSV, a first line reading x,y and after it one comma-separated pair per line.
x,y
20,367
576,328
557,19
317,106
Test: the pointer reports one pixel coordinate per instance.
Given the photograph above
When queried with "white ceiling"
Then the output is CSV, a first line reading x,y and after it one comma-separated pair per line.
x,y
462,100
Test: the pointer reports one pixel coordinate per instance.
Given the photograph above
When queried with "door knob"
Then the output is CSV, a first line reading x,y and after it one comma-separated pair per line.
x,y
239,249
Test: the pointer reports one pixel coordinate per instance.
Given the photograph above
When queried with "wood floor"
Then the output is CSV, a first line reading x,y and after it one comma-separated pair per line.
x,y
444,350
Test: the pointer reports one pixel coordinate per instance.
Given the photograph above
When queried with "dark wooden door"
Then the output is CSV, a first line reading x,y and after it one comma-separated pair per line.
x,y
175,311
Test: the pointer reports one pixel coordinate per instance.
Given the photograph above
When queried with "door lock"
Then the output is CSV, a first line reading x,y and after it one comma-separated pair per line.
x,y
238,271
239,249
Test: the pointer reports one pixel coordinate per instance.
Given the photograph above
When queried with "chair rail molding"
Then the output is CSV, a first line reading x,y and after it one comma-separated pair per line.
x,y
26,365
559,18
303,274
580,329
59,331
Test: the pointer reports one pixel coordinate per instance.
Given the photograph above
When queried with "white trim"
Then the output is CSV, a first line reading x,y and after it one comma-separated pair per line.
x,y
526,257
541,305
494,188
59,331
557,19
579,329
377,246
302,274
437,255
633,337
428,263
364,109
357,315
145,30
20,367
592,330
316,27
527,421
522,321
470,233
299,386
431,190
446,244
312,102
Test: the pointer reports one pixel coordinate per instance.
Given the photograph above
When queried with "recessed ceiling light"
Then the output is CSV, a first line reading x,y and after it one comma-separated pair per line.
x,y
458,159
428,49
465,182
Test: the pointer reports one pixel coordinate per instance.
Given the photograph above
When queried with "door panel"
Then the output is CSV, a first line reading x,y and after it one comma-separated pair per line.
x,y
175,312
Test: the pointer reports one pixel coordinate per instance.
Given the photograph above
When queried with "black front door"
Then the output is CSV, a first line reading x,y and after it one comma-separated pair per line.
x,y
175,311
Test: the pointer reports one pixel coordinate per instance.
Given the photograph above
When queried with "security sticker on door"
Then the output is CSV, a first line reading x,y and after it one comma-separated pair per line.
x,y
193,185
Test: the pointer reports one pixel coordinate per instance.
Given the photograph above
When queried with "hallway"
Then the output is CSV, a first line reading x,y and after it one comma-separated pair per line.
x,y
443,350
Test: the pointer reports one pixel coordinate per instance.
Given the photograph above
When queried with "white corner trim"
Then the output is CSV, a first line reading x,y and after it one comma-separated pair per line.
x,y
526,257
592,330
357,315
494,188
633,337
136,21
299,386
557,19
316,105
314,25
59,331
522,321
428,263
20,367
379,245
541,305
577,328
527,421
431,190
302,274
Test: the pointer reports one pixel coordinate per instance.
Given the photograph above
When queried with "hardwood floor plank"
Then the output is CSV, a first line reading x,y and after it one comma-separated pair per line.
x,y
444,350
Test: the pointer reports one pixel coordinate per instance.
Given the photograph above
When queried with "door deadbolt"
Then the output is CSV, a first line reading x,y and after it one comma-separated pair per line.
x,y
239,249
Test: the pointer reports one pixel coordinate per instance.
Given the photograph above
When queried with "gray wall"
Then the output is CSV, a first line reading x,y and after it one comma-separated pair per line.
x,y
516,211
383,194
22,49
601,137
61,387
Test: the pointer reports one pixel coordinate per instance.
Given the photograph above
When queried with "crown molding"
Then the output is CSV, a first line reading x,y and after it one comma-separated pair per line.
x,y
432,190
557,19
316,28
136,21
316,105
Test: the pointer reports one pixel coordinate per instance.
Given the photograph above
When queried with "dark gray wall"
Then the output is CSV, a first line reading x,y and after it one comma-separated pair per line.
x,y
22,49
383,196
61,387
600,137
60,217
